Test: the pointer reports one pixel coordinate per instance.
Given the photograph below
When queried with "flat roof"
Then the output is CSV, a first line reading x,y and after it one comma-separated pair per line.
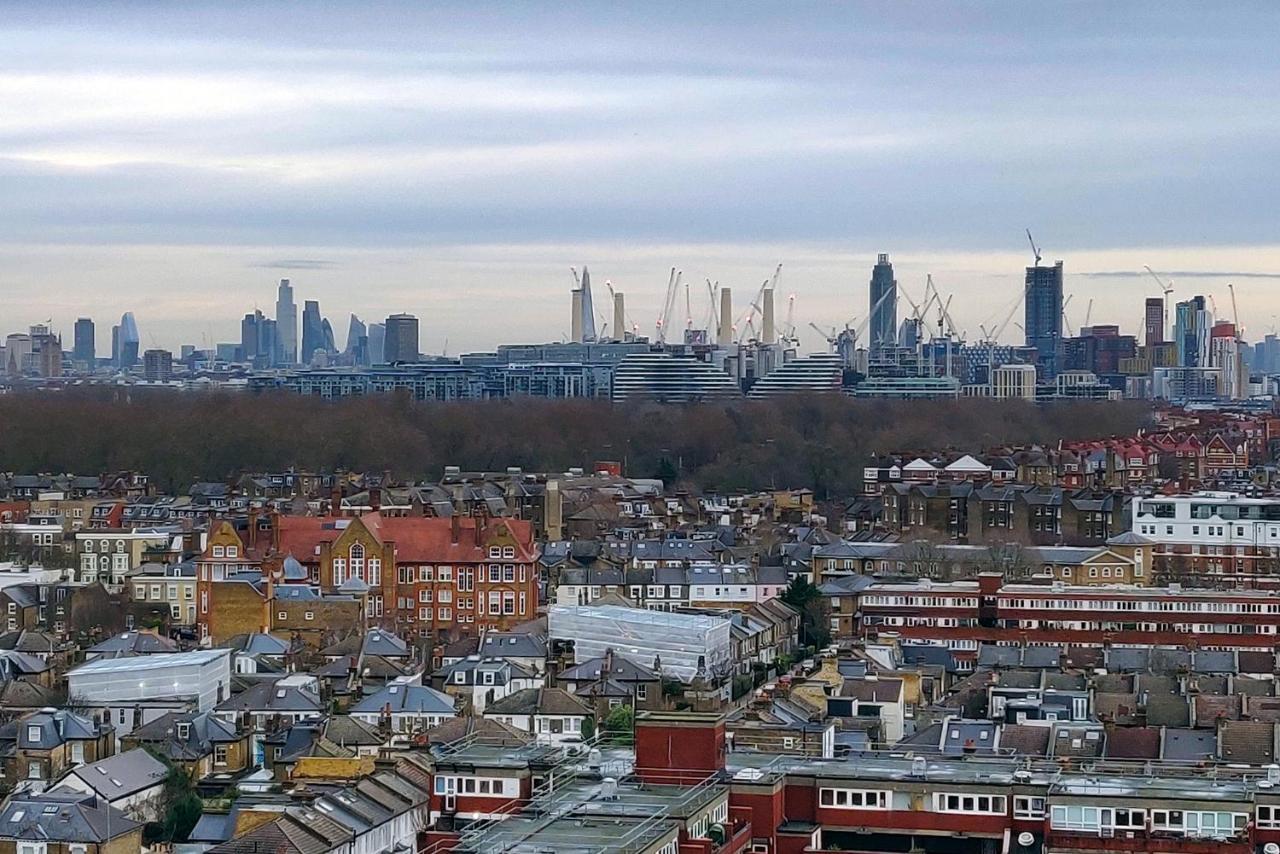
x,y
156,661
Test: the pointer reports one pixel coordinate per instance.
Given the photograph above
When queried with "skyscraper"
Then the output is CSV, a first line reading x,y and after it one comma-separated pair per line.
x,y
287,323
260,340
402,338
377,343
157,366
1191,325
884,304
85,350
1154,321
1044,315
312,331
124,343
357,342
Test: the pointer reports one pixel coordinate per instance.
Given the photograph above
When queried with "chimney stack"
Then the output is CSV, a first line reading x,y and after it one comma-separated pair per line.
x,y
575,326
725,336
769,333
619,318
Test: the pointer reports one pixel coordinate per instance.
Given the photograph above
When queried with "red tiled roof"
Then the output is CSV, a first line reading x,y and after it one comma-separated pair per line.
x,y
430,539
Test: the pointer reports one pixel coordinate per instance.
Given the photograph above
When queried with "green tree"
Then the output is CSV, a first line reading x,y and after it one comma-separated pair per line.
x,y
181,806
805,597
619,725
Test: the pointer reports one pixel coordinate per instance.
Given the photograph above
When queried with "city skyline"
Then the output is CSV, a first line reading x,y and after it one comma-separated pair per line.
x,y
464,158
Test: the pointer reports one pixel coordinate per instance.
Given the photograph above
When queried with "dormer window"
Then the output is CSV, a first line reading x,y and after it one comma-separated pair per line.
x,y
33,733
184,731
508,552
495,552
219,551
233,551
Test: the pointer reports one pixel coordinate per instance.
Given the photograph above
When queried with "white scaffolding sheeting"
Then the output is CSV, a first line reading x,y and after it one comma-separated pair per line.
x,y
640,635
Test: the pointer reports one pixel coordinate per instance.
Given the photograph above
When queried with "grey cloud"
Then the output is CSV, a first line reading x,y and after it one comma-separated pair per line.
x,y
1179,274
297,264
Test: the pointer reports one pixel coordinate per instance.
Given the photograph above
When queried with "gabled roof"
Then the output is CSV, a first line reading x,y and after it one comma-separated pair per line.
x,y
123,774
406,699
538,701
63,817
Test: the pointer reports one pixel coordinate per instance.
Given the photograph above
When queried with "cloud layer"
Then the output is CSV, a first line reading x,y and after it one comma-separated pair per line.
x,y
433,158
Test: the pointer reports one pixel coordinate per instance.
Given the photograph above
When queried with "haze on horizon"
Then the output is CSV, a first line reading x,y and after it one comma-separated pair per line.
x,y
453,160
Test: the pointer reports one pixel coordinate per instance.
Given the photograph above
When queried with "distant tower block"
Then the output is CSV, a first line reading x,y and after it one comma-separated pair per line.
x,y
575,333
768,334
725,336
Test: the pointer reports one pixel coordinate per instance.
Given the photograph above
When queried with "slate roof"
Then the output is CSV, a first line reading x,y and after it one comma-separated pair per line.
x,y
1025,740
514,645
1189,745
63,817
271,696
123,774
538,701
406,699
132,643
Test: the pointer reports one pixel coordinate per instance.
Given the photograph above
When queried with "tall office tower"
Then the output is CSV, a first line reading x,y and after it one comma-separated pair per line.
x,y
85,351
268,343
377,343
249,336
588,309
884,304
312,331
401,338
125,342
287,323
1043,316
1191,325
357,348
157,366
1154,316
330,345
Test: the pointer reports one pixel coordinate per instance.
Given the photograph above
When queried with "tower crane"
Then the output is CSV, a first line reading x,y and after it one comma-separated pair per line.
x,y
1066,323
669,304
1235,315
1035,250
1088,312
1166,288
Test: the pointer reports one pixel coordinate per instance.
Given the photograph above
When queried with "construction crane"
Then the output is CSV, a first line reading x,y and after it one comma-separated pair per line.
x,y
1235,315
1066,323
789,327
748,321
1035,250
1088,312
668,304
1166,288
1213,304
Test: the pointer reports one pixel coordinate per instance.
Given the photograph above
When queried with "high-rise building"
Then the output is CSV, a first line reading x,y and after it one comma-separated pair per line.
x,y
85,350
884,304
287,323
401,344
312,331
1043,315
260,340
377,343
1191,325
124,342
157,366
583,322
249,336
357,342
1154,317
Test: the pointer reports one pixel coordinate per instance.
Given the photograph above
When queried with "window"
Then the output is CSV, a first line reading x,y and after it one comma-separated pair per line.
x,y
357,561
33,734
425,573
219,551
1268,817
855,799
642,692
233,551
219,754
969,803
508,552
283,615
509,572
1028,807
308,616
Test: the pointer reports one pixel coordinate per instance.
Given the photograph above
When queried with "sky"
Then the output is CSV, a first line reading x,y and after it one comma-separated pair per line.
x,y
455,160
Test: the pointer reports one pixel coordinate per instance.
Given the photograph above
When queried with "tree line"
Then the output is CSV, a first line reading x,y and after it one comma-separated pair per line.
x,y
818,442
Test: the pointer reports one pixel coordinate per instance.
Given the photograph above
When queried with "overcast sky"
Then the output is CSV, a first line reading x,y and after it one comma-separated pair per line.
x,y
454,160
